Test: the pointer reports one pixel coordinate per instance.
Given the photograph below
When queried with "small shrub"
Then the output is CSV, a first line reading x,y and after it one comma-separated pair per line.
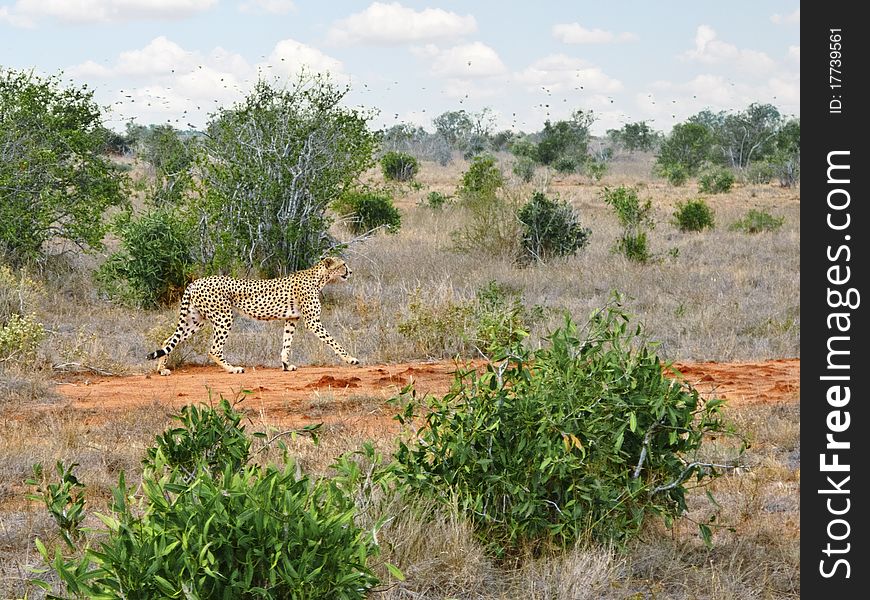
x,y
436,200
693,215
634,247
756,221
676,174
583,439
501,319
367,210
20,337
65,500
596,169
630,211
154,264
19,294
716,181
635,217
489,224
566,164
524,168
482,179
398,166
551,229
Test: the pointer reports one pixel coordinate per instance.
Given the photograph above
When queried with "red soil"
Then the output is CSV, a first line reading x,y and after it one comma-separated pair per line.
x,y
314,394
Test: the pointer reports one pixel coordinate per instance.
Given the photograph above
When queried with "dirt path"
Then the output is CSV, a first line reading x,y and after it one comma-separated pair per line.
x,y
319,393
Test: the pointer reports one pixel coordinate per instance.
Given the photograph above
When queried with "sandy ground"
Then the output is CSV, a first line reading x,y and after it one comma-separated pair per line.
x,y
314,394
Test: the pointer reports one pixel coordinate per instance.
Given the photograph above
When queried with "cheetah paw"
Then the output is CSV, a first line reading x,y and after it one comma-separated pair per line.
x,y
289,367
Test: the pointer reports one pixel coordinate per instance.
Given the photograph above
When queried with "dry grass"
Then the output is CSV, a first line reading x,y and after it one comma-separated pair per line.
x,y
721,295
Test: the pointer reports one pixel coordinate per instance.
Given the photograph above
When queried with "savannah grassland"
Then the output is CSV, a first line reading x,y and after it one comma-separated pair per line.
x,y
719,295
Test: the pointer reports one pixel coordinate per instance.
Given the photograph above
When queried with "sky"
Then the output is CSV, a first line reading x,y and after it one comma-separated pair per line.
x,y
177,61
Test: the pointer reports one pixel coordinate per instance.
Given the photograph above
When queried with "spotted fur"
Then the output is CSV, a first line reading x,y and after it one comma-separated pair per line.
x,y
288,298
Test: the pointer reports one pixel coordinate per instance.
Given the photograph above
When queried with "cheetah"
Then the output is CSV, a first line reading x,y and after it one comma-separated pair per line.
x,y
289,298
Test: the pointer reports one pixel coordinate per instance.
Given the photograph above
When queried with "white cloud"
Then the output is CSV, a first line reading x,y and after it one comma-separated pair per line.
x,y
164,79
668,102
574,33
289,57
27,12
560,73
15,18
159,57
794,52
710,50
468,61
790,19
268,7
393,23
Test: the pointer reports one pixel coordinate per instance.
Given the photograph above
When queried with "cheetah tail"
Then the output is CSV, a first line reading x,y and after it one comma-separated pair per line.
x,y
170,343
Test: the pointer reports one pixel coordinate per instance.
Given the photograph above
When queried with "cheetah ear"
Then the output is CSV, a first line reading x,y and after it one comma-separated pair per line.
x,y
330,261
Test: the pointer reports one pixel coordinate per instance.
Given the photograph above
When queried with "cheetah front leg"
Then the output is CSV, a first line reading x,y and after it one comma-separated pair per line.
x,y
317,328
289,329
222,322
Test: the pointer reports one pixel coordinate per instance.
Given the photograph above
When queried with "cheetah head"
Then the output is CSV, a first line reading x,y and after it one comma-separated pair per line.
x,y
336,269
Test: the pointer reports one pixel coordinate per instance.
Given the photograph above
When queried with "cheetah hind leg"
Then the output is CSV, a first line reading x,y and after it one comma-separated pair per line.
x,y
191,322
222,322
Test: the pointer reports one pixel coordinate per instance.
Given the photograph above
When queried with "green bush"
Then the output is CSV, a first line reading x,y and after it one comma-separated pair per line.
x,y
635,218
524,168
55,181
368,210
207,439
716,181
582,439
154,264
20,337
565,164
634,246
241,531
756,221
693,215
676,174
269,169
19,294
630,211
436,200
551,229
482,179
501,319
398,166
595,169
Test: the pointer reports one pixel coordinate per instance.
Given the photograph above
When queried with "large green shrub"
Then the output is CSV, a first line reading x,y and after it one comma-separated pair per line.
x,y
366,210
693,215
583,439
398,166
551,229
154,263
270,167
55,181
235,530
